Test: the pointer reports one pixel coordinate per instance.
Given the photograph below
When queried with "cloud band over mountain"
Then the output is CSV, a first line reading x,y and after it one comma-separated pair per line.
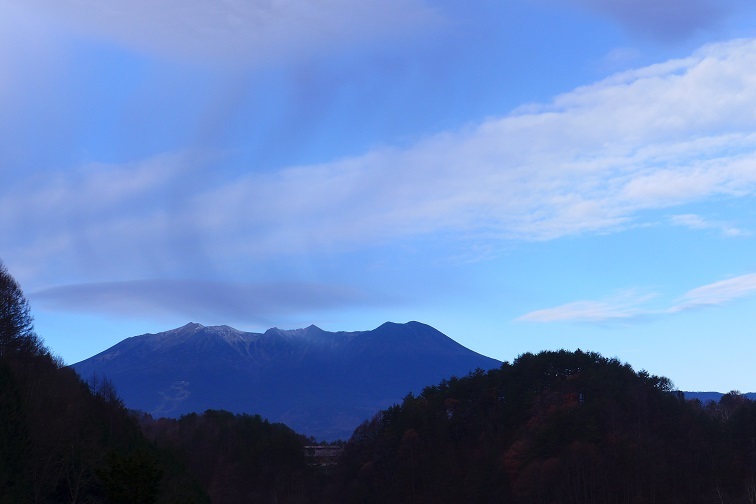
x,y
594,160
203,300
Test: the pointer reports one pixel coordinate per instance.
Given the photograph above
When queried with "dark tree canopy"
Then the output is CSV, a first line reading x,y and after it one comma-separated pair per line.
x,y
554,428
62,441
16,323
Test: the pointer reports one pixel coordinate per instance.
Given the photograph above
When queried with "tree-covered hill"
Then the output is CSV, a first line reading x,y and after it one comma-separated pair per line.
x,y
63,440
557,427
239,458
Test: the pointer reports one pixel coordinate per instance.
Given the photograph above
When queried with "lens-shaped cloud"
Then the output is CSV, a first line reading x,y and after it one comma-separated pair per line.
x,y
203,300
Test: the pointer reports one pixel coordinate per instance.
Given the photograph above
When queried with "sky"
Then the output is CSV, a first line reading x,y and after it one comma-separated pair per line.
x,y
524,175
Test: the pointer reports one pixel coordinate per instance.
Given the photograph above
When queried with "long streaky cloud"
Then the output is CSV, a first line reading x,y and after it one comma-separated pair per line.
x,y
718,293
632,308
693,221
624,306
213,301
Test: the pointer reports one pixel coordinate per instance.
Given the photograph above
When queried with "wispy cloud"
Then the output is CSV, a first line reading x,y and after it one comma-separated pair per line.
x,y
693,221
630,306
620,307
592,160
717,293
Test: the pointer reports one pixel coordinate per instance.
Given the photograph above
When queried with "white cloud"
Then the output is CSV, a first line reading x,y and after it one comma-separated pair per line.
x,y
630,306
693,221
718,293
100,218
239,30
658,137
593,160
623,306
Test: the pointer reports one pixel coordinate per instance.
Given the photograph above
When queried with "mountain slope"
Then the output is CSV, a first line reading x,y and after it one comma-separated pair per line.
x,y
318,382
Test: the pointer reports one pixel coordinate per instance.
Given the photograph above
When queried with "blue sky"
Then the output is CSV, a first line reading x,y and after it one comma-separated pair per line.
x,y
522,175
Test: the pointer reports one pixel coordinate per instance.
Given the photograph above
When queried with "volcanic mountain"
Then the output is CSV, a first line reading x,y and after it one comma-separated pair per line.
x,y
317,382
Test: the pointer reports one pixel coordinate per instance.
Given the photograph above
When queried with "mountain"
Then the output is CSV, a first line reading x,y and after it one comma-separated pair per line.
x,y
317,382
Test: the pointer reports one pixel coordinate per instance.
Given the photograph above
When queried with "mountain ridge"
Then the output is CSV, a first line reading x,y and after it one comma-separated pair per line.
x,y
320,383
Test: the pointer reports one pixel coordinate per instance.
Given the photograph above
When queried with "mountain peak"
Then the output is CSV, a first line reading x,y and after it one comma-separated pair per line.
x,y
193,327
190,327
318,382
412,324
275,331
311,330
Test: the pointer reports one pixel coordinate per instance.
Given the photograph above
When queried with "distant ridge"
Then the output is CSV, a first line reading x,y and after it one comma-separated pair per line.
x,y
705,397
318,382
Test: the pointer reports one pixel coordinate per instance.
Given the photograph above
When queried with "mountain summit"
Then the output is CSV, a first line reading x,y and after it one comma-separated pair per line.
x,y
319,383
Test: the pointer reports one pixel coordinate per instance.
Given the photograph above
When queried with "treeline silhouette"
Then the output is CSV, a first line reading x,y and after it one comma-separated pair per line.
x,y
552,428
64,440
239,458
557,427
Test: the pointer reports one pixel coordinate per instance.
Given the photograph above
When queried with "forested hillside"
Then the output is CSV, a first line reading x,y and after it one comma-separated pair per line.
x,y
63,440
557,427
239,458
